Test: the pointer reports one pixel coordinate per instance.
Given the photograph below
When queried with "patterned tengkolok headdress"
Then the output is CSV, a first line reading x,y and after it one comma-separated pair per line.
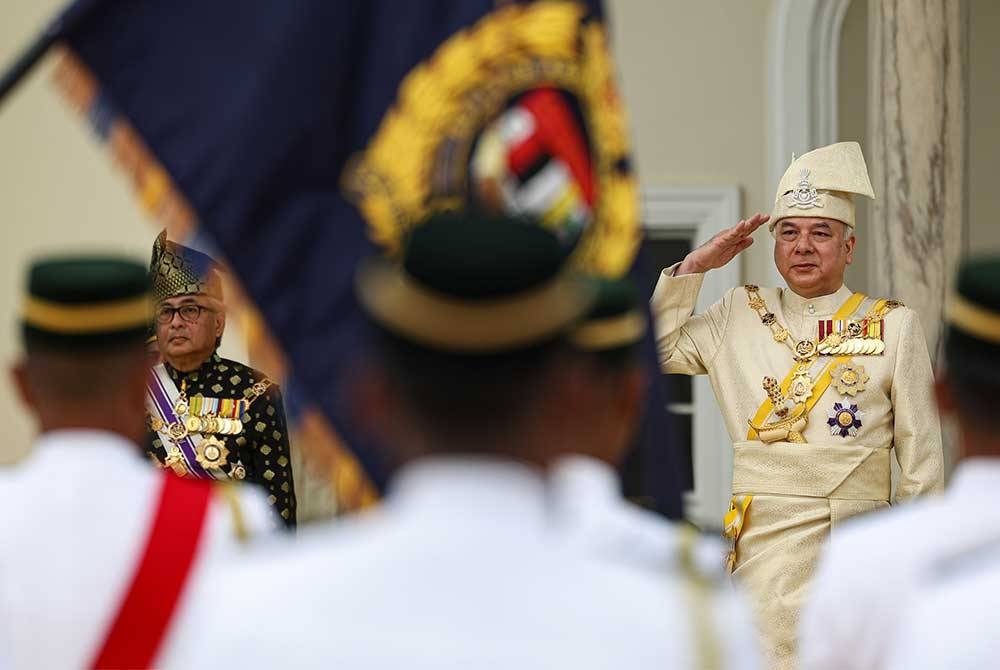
x,y
178,270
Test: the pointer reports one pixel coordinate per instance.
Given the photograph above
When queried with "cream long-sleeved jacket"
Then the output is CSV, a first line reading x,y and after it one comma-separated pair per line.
x,y
801,491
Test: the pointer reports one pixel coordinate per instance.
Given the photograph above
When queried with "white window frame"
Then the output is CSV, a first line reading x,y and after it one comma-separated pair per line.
x,y
697,213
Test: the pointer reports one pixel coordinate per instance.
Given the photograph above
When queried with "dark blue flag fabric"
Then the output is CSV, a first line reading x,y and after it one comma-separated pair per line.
x,y
302,135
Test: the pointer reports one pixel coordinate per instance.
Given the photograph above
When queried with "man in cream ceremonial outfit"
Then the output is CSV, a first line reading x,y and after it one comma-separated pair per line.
x,y
100,549
820,387
871,579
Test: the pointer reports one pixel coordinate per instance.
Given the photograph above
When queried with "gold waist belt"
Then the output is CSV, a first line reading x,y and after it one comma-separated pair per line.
x,y
847,472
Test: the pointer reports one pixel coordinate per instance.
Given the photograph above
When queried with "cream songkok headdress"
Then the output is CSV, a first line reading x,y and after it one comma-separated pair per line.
x,y
821,184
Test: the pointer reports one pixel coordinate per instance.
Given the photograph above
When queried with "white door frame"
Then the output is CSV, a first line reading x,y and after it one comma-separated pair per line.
x,y
698,213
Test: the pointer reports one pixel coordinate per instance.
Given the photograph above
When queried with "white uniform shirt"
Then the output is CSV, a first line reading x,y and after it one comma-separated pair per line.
x,y
954,622
75,518
459,568
870,570
596,519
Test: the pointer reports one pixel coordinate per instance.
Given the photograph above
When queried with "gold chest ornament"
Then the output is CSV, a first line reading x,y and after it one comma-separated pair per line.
x,y
836,337
849,379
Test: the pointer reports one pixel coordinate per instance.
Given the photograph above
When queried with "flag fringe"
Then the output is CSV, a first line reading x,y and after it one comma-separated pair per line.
x,y
158,196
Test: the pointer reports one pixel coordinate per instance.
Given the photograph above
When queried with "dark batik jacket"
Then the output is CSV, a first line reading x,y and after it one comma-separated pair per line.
x,y
259,453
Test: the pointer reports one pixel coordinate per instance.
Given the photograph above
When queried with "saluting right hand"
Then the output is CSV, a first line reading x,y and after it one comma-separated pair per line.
x,y
722,248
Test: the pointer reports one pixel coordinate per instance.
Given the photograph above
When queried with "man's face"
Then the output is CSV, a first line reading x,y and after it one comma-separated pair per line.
x,y
180,338
811,254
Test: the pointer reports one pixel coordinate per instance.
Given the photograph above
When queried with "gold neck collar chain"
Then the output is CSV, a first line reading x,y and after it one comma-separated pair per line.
x,y
804,351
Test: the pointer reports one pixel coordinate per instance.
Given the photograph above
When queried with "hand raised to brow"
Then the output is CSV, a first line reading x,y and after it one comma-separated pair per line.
x,y
722,248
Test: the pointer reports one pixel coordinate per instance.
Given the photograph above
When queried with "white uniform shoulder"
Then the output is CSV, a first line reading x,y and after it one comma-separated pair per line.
x,y
951,624
857,553
241,512
856,538
594,520
951,617
870,564
592,516
459,567
238,521
82,504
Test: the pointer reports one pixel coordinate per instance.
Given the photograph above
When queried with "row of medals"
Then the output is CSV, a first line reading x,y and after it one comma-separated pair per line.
x,y
850,342
213,452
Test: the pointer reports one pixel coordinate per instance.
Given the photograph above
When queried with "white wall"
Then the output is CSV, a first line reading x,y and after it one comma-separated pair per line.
x,y
693,78
984,125
852,116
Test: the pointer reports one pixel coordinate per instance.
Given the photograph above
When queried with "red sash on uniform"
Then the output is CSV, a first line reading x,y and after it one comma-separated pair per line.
x,y
144,615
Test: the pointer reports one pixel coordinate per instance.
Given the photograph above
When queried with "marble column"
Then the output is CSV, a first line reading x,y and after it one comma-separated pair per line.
x,y
917,130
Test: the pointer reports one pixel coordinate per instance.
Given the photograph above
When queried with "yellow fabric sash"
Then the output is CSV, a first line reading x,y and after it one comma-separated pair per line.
x,y
736,516
836,470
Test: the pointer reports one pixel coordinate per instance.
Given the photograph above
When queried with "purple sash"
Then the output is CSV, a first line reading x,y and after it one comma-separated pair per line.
x,y
160,399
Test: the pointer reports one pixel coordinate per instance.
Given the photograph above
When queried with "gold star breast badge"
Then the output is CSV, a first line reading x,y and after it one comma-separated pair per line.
x,y
849,379
211,452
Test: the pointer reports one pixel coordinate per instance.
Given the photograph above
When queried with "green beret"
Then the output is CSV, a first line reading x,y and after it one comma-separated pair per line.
x,y
615,321
85,302
475,284
972,340
974,309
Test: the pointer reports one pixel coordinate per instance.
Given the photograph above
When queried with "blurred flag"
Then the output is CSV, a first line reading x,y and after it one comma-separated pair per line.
x,y
302,135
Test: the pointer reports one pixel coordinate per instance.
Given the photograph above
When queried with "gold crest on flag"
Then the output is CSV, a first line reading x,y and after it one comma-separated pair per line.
x,y
518,114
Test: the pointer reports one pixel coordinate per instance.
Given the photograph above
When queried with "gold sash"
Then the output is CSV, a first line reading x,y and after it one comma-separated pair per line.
x,y
842,471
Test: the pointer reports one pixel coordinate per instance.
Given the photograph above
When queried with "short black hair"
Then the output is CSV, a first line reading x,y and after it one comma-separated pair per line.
x,y
620,359
972,354
82,376
973,371
462,398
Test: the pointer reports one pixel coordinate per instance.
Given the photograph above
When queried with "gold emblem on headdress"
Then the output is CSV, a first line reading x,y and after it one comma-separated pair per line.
x,y
804,195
